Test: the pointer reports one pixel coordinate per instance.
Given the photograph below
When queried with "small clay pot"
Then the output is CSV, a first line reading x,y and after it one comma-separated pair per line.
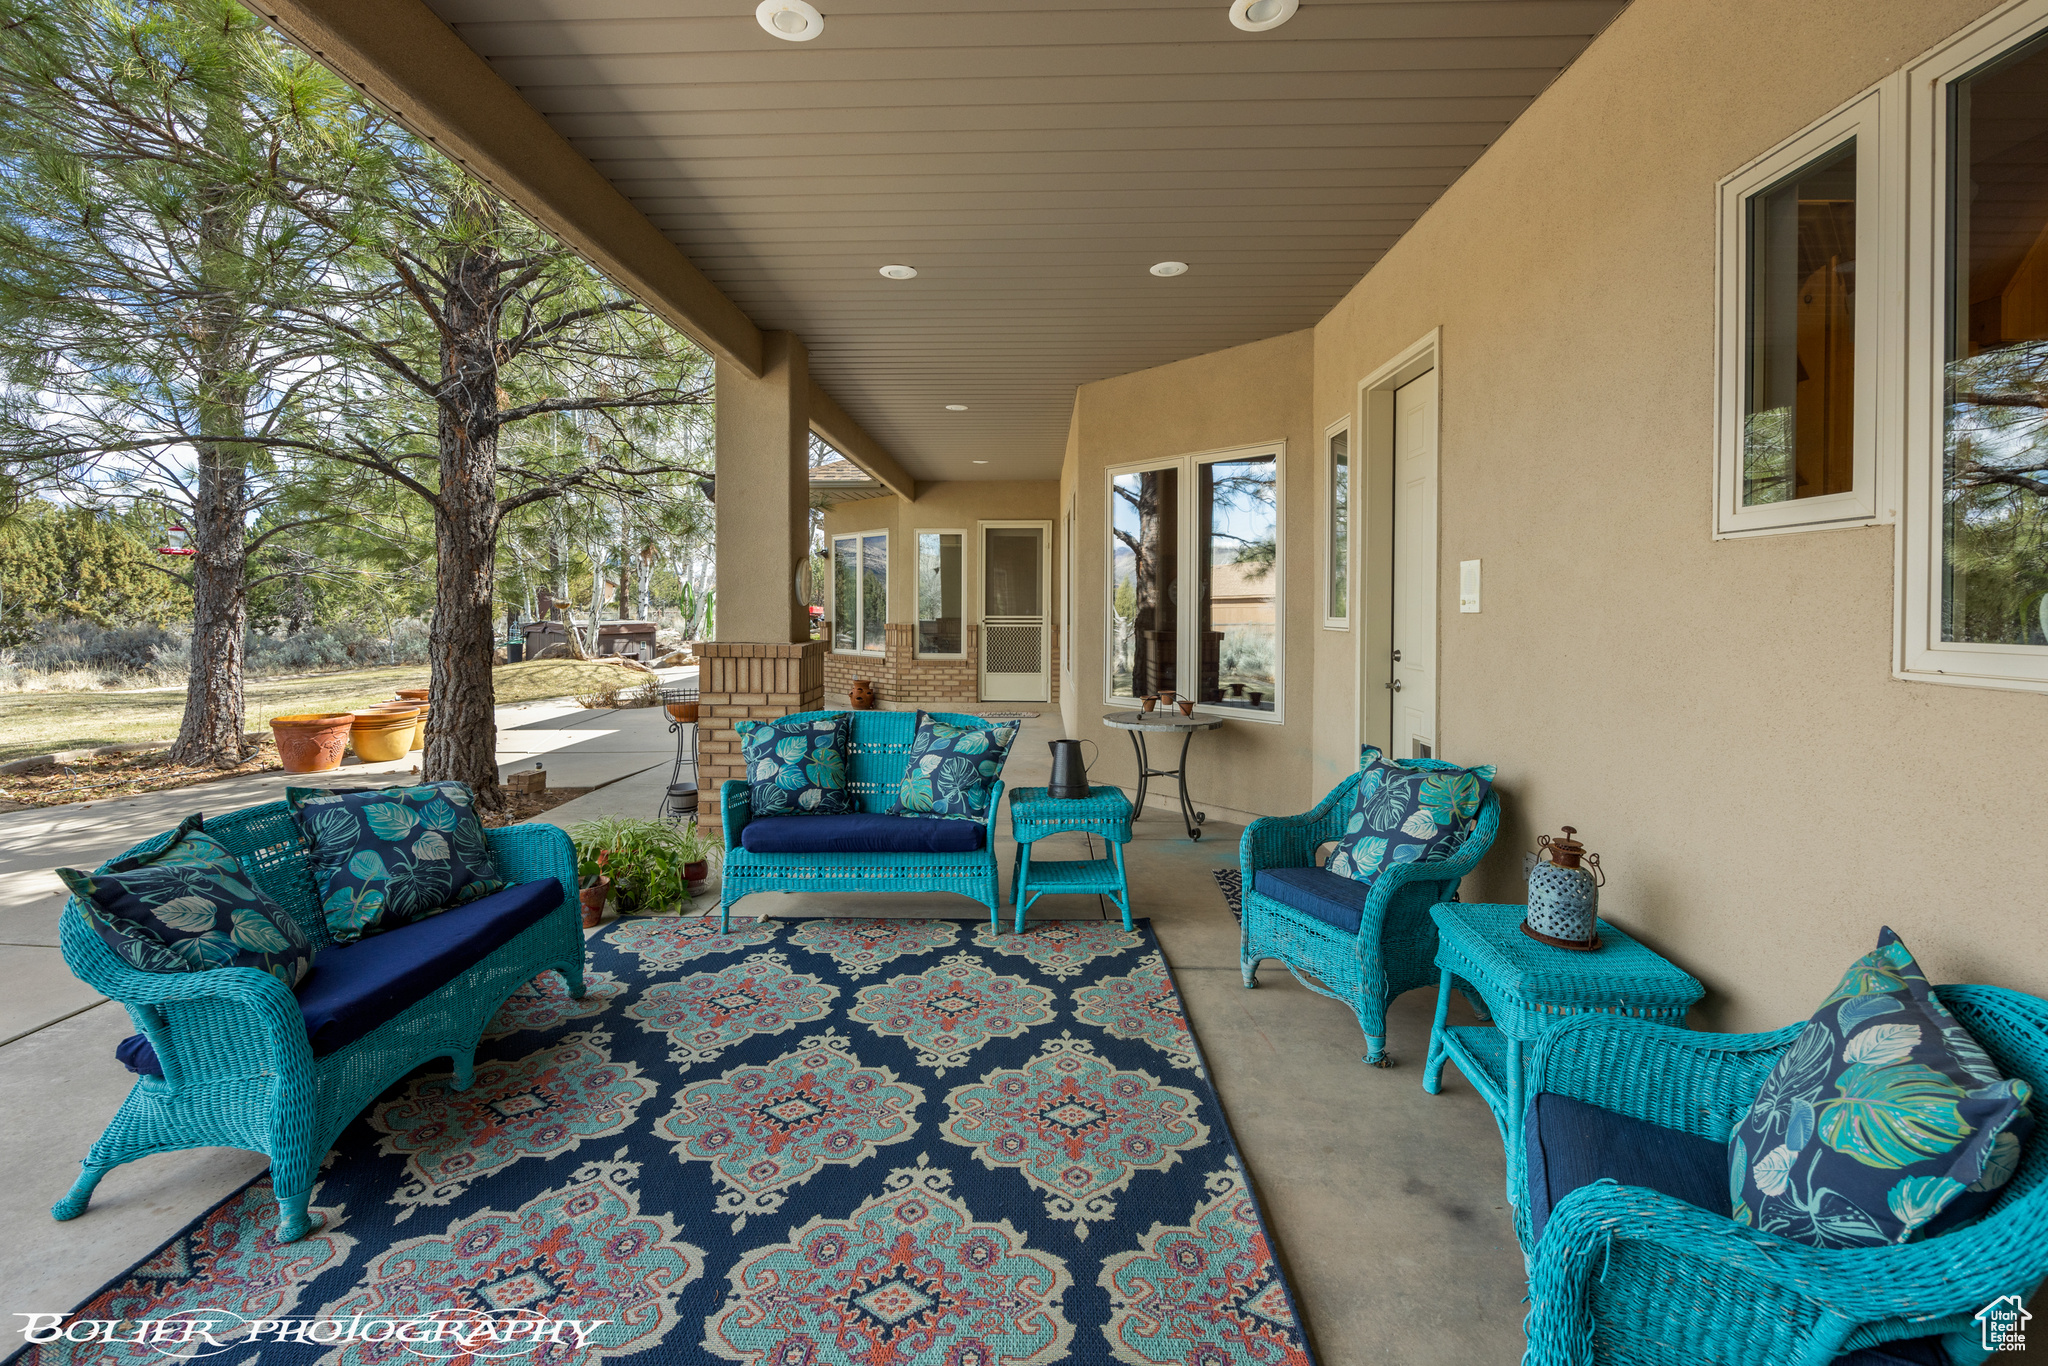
x,y
1148,703
593,899
1237,690
682,713
698,871
1186,705
380,736
1257,697
413,694
861,695
311,743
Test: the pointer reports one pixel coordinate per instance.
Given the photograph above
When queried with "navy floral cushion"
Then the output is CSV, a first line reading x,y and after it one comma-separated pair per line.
x,y
189,907
384,857
953,767
1884,1122
1405,815
797,766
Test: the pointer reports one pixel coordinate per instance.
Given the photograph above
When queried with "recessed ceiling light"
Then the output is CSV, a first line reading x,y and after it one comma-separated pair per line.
x,y
792,20
956,407
1256,16
981,462
900,272
1165,268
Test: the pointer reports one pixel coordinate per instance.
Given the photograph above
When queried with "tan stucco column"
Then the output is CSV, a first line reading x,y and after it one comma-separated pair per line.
x,y
762,663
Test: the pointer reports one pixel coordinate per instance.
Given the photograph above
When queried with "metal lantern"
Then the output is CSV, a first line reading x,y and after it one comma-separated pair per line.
x,y
1564,892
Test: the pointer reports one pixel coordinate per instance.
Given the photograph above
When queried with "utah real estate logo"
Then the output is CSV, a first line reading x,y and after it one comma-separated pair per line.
x,y
2005,1324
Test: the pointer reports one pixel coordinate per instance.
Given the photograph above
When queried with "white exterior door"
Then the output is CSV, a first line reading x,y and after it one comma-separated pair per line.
x,y
1414,666
1016,602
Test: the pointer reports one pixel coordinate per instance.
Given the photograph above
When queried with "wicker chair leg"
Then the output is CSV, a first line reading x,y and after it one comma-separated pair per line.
x,y
1248,968
74,1202
465,1072
294,1221
1376,1051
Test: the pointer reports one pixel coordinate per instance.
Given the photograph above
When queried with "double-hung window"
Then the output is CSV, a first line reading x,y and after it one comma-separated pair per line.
x,y
1337,531
860,592
1807,343
940,597
1194,583
1974,548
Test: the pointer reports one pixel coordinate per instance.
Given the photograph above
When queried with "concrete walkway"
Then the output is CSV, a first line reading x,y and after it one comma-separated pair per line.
x,y
1386,1204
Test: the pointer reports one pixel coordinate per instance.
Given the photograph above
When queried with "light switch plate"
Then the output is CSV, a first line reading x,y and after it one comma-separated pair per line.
x,y
1468,585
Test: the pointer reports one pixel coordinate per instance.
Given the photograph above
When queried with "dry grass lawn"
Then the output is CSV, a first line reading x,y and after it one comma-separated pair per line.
x,y
47,722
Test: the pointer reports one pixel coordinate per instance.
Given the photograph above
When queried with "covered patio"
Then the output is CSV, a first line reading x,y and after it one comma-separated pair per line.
x,y
1598,416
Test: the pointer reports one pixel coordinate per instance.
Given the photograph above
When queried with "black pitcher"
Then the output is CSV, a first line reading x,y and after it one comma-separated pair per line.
x,y
1069,774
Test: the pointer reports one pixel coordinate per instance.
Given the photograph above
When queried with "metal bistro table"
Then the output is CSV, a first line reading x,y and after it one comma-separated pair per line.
x,y
1143,723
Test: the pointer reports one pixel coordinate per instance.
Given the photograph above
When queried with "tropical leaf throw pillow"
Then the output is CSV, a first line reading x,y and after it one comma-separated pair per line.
x,y
1884,1122
953,768
796,766
384,857
1406,815
189,907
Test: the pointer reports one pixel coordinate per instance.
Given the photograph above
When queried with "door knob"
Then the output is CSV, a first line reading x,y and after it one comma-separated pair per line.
x,y
1394,686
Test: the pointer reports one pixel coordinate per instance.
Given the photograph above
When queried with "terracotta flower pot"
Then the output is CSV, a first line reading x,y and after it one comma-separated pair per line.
x,y
861,695
413,694
419,735
698,871
311,743
682,713
593,899
379,736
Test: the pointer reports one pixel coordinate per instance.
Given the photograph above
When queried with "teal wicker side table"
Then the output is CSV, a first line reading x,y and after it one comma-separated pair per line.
x,y
1529,986
1105,812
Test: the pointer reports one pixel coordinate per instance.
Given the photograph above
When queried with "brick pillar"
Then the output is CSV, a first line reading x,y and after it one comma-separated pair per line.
x,y
742,681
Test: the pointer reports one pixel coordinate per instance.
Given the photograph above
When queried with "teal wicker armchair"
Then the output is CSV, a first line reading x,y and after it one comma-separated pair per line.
x,y
1394,948
1629,1275
238,1069
879,753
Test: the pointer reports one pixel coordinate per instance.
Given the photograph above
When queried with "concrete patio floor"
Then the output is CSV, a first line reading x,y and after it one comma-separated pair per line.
x,y
1386,1204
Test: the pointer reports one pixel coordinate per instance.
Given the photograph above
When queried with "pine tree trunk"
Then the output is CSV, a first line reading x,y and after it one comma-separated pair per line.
x,y
462,729
211,732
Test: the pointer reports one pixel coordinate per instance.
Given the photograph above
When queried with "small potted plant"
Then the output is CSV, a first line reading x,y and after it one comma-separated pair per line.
x,y
596,886
697,853
645,860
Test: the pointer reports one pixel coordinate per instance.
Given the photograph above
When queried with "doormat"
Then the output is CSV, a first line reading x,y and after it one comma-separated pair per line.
x,y
1230,882
872,1142
1007,715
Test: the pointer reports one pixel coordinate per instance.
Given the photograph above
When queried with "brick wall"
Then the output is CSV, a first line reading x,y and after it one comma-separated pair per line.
x,y
740,682
899,675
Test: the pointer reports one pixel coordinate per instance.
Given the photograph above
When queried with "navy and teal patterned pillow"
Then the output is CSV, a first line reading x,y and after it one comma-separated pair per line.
x,y
953,768
1406,815
796,766
189,907
382,858
1884,1122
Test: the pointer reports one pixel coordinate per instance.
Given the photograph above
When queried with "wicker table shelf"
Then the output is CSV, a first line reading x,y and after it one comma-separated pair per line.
x,y
1529,986
1034,814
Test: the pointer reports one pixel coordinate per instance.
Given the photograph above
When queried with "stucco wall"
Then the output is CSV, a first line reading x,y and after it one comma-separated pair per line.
x,y
1248,394
1718,719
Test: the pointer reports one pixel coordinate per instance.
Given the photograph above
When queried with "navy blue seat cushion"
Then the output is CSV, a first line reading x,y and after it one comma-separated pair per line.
x,y
1573,1144
355,987
1334,900
861,832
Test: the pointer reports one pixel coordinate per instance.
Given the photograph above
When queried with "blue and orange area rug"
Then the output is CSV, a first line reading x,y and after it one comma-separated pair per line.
x,y
801,1143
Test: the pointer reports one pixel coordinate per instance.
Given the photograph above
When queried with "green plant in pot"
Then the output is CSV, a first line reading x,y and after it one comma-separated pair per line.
x,y
698,853
595,887
645,859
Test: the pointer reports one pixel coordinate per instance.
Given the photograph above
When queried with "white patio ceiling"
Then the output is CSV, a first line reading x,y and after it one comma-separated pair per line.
x,y
1031,158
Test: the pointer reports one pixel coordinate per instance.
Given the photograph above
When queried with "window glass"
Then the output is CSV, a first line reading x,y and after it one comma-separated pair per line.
x,y
1799,412
1995,472
874,591
1339,606
845,594
1238,522
1144,581
1010,571
938,592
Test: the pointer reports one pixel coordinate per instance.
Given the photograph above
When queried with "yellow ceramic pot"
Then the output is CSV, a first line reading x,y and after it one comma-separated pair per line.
x,y
383,734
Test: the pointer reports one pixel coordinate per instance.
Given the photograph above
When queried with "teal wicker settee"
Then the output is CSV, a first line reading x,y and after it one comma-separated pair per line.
x,y
1390,947
1626,1274
878,755
228,1060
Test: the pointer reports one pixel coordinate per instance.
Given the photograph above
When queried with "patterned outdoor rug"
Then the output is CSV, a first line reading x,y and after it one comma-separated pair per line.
x,y
803,1143
1230,882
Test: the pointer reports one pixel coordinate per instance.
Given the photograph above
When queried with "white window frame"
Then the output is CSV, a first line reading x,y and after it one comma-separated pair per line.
x,y
1873,119
880,649
1920,654
1186,658
1332,622
968,616
1067,590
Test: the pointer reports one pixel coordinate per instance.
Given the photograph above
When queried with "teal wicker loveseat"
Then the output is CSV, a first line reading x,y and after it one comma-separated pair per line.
x,y
1626,1274
229,1061
879,753
1393,948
